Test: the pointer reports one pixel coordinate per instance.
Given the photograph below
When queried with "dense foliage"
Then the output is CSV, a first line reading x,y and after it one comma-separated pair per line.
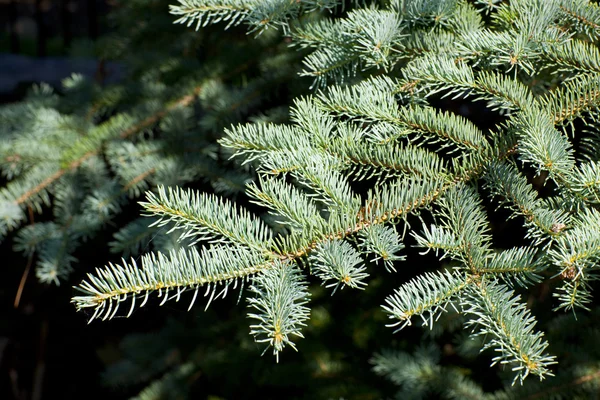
x,y
384,155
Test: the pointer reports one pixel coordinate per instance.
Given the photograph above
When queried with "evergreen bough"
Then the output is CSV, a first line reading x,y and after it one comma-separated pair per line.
x,y
372,147
533,62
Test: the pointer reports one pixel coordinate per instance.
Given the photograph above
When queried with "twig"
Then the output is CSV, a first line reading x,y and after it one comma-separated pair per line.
x,y
23,280
27,268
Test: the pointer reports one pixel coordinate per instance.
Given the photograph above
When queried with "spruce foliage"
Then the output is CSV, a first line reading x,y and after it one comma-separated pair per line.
x,y
531,62
368,162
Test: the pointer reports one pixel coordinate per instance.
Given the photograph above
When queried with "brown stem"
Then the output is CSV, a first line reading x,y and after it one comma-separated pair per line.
x,y
23,280
27,267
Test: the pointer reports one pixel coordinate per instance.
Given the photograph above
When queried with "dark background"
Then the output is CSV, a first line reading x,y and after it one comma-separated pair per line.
x,y
48,27
46,349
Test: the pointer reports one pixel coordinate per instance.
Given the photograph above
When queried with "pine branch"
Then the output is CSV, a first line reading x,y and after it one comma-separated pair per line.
x,y
366,160
426,296
288,203
355,159
575,55
509,328
384,242
463,214
279,307
436,73
574,98
506,181
336,260
206,217
542,145
521,264
441,240
179,271
331,63
585,182
11,199
210,12
584,15
577,255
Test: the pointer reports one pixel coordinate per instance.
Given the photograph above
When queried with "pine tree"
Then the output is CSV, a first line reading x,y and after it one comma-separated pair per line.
x,y
374,159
